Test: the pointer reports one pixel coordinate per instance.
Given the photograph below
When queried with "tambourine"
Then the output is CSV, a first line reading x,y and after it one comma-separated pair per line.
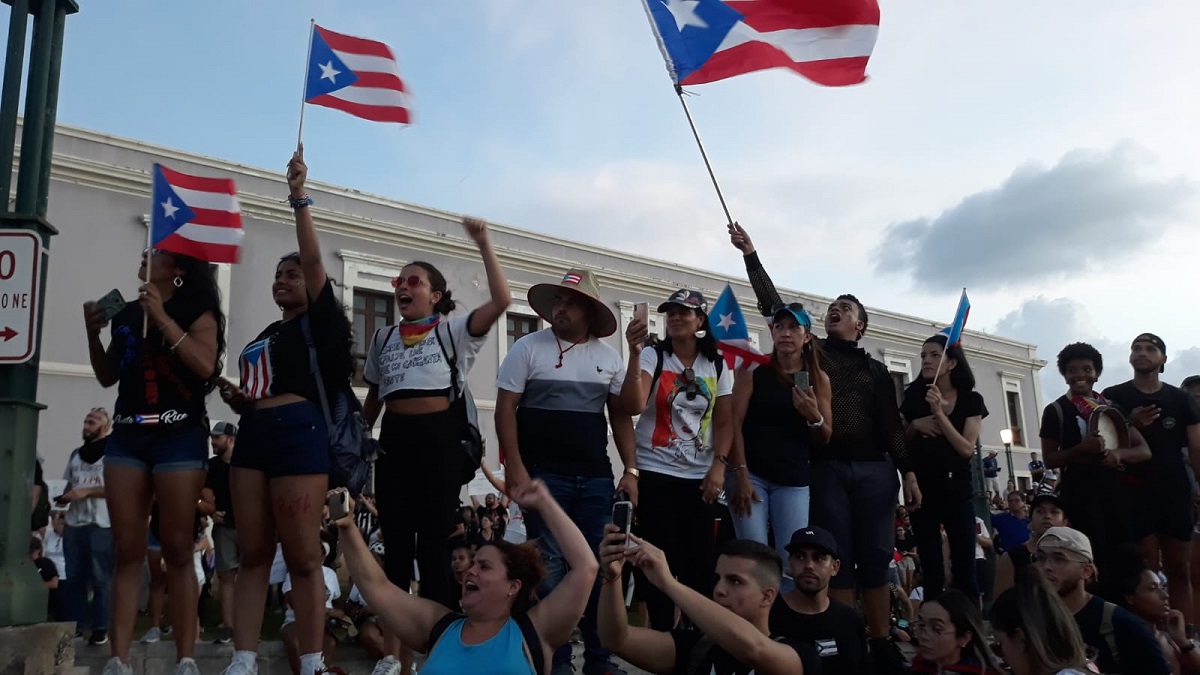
x,y
1108,423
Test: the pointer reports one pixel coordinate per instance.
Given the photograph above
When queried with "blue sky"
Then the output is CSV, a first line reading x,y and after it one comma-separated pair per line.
x,y
1055,144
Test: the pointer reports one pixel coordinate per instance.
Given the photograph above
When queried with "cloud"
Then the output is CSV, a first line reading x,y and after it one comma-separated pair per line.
x,y
1090,208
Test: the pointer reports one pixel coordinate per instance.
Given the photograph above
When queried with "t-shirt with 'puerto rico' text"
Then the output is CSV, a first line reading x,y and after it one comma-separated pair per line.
x,y
674,433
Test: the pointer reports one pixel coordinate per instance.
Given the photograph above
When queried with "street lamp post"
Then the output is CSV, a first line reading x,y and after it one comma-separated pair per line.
x,y
1006,437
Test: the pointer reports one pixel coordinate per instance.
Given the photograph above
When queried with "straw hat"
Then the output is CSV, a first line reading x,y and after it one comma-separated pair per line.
x,y
583,282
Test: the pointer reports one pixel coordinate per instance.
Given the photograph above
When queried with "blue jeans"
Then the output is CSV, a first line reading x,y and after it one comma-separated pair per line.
x,y
588,502
784,506
88,551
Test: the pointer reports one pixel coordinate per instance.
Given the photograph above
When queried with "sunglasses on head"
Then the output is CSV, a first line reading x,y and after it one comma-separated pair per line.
x,y
412,281
691,387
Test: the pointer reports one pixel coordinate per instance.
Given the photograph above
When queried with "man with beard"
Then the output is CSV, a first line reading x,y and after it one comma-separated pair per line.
x,y
808,614
555,386
854,482
87,537
1162,499
216,491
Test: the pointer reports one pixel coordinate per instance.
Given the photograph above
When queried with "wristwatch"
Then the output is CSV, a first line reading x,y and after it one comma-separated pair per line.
x,y
632,471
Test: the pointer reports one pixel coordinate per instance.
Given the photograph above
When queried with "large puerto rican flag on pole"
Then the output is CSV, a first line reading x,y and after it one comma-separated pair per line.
x,y
357,76
195,216
729,327
826,41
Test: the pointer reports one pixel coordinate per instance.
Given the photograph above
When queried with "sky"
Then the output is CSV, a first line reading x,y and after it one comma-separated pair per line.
x,y
1042,155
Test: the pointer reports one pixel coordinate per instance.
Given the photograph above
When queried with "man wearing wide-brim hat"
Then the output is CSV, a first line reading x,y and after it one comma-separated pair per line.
x,y
554,388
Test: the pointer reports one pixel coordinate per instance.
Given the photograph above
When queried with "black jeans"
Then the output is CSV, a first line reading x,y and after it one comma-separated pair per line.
x,y
672,515
958,518
418,476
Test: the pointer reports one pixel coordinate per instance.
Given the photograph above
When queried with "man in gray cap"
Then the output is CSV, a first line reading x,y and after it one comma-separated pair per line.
x,y
216,490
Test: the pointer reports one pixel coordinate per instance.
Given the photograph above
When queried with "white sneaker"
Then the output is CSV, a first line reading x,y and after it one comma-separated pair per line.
x,y
153,635
239,668
388,665
116,667
187,666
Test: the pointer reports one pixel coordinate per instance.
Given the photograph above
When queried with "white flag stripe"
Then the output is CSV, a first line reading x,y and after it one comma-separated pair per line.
x,y
371,96
215,201
803,45
361,63
210,234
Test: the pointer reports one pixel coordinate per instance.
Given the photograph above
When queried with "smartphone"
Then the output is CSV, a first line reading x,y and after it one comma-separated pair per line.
x,y
642,311
622,515
801,378
112,303
903,623
339,504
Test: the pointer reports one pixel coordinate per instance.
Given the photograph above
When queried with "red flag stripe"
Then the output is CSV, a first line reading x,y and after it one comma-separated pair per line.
x,y
356,45
213,253
375,113
764,15
378,80
217,218
199,183
731,62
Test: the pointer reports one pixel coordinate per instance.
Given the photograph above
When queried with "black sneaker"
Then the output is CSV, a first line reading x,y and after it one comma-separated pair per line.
x,y
99,637
886,658
224,637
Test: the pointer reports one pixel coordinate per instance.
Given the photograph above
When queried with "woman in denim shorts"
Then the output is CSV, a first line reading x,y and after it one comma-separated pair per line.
x,y
280,465
165,349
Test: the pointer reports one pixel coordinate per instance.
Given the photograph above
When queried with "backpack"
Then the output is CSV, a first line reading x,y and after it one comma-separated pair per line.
x,y
1108,632
352,452
533,644
462,406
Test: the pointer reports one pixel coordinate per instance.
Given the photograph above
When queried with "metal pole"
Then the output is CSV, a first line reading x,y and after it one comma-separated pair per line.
x,y
1012,475
51,110
10,100
704,154
32,128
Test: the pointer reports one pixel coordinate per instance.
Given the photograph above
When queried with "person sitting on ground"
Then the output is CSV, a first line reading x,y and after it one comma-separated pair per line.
x,y
749,575
497,626
47,571
461,555
1012,526
1047,512
950,637
1036,633
1138,589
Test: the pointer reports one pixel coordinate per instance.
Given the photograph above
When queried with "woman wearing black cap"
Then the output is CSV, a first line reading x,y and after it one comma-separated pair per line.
x,y
681,389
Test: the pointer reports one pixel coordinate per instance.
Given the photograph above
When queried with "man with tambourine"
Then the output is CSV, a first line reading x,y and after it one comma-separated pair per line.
x,y
1091,443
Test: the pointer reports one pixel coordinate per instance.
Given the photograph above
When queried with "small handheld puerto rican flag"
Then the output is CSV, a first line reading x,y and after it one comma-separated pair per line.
x,y
357,76
572,278
954,331
729,328
195,216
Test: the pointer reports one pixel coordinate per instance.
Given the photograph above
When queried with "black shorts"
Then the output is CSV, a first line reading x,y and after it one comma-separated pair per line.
x,y
1163,510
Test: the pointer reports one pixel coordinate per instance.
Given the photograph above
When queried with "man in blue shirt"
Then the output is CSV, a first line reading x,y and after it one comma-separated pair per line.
x,y
991,475
1012,527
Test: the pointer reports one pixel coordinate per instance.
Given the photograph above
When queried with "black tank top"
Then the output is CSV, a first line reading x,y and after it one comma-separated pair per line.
x,y
776,436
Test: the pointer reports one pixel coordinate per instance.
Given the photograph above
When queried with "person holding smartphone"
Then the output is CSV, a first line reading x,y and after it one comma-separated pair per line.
x,y
164,354
780,410
681,389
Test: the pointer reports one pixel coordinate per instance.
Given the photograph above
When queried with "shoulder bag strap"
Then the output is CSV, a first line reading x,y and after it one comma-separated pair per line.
x,y
451,360
533,642
315,370
439,629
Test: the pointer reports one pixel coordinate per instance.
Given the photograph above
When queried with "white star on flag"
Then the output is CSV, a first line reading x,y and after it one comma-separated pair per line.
x,y
169,208
726,321
328,72
684,12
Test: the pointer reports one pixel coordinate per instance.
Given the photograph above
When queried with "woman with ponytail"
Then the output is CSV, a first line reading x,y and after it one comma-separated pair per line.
x,y
410,382
777,418
682,391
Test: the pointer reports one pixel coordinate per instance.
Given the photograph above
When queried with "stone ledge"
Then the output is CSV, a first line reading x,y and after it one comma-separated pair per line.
x,y
41,649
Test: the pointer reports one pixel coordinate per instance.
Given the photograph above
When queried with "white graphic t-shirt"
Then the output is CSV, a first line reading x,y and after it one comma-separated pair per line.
x,y
333,591
674,433
80,476
394,366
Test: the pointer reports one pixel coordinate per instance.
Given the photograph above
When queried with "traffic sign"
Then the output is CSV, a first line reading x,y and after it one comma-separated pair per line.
x,y
20,294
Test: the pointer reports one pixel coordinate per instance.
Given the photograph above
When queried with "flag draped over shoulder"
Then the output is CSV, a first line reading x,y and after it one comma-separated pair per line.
x,y
195,216
357,76
729,327
826,41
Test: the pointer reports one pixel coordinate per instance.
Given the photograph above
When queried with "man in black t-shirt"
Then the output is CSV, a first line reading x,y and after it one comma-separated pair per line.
x,y
1162,498
731,634
217,490
807,614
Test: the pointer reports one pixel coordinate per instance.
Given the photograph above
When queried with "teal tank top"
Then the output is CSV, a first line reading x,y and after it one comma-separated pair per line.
x,y
503,654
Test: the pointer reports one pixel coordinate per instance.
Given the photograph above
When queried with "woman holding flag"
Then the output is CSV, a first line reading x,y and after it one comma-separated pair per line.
x,y
164,350
280,467
943,414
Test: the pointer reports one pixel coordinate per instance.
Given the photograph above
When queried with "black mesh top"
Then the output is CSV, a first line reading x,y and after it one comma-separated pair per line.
x,y
866,417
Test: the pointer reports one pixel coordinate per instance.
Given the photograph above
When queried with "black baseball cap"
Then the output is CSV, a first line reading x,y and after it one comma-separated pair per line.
x,y
1044,495
1154,340
813,537
693,300
220,428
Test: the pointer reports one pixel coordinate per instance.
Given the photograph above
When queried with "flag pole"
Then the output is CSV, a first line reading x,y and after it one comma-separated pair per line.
x,y
942,360
149,261
703,154
312,23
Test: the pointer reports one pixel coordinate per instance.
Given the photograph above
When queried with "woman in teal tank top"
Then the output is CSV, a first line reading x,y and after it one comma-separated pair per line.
x,y
499,627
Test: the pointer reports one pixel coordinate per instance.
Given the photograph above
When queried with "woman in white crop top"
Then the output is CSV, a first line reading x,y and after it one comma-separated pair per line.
x,y
408,372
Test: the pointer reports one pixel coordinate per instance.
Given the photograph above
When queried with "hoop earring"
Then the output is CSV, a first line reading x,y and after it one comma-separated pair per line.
x,y
700,334
178,281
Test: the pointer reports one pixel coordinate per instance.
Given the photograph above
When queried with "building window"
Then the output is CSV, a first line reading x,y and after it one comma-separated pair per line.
x,y
372,310
898,379
518,326
1023,483
1013,401
899,365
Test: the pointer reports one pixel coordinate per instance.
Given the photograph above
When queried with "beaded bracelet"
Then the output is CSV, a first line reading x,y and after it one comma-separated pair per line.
x,y
300,202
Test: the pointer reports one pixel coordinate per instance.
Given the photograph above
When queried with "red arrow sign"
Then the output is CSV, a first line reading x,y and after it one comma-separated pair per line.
x,y
8,333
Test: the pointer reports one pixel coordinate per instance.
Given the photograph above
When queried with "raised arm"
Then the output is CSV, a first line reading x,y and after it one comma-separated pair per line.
x,y
764,288
410,617
306,232
643,647
555,615
489,312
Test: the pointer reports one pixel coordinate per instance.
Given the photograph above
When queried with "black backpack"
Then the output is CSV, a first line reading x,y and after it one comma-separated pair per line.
x,y
462,406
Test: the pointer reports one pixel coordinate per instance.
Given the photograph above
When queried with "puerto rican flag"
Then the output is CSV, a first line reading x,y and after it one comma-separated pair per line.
x,y
572,278
357,76
195,216
729,327
826,41
256,370
954,331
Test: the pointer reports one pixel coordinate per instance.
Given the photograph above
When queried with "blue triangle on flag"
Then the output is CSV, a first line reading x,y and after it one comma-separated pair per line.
x,y
691,31
726,320
326,72
168,212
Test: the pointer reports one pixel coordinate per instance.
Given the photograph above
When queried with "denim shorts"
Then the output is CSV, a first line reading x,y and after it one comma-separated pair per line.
x,y
287,440
158,448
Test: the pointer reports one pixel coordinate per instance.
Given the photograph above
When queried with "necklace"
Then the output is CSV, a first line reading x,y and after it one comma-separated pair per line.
x,y
562,351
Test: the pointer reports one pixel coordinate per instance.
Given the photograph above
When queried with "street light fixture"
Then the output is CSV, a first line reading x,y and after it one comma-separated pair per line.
x,y
1006,437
